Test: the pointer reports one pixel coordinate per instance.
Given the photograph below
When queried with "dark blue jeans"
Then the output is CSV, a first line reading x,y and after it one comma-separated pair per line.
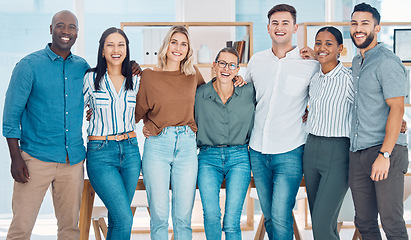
x,y
214,165
113,169
277,178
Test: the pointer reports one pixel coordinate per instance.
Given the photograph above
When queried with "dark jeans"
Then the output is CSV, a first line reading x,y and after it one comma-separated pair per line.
x,y
384,197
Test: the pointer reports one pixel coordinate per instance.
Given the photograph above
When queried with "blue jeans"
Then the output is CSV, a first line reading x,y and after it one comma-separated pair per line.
x,y
113,169
277,178
214,165
171,157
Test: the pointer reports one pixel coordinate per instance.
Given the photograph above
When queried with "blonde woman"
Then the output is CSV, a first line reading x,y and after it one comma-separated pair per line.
x,y
165,102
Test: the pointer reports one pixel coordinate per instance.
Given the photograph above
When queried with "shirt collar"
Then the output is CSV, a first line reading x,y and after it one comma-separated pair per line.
x,y
294,53
210,92
333,72
52,55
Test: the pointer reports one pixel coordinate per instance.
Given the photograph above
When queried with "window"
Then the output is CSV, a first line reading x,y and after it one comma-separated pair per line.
x,y
26,29
256,12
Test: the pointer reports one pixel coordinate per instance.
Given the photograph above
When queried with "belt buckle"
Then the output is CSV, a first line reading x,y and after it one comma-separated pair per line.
x,y
121,137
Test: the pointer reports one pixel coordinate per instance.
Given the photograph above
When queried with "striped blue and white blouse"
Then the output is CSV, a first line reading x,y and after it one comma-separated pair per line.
x,y
331,97
113,113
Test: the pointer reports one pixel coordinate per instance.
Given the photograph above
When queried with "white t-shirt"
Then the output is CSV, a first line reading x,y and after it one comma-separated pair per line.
x,y
281,87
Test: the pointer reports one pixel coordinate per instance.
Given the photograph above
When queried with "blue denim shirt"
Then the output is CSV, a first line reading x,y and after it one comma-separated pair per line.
x,y
44,106
379,76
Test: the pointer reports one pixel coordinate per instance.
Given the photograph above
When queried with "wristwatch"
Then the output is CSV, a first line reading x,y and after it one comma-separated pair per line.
x,y
385,154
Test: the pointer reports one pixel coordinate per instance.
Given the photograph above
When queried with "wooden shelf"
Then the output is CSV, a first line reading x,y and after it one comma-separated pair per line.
x,y
247,25
187,24
199,65
213,34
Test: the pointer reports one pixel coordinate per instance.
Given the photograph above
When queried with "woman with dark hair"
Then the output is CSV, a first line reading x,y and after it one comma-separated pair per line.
x,y
113,157
325,161
224,115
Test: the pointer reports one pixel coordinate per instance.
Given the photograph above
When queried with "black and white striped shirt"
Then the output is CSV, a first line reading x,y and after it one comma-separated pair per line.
x,y
331,97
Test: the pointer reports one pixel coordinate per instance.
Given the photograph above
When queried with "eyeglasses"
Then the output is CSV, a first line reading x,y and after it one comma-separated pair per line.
x,y
223,64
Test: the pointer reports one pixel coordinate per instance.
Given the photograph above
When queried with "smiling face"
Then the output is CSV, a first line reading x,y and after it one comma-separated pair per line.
x,y
281,27
115,49
326,48
64,32
225,74
364,30
177,48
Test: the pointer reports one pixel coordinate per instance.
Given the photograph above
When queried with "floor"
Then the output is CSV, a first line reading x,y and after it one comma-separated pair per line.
x,y
45,227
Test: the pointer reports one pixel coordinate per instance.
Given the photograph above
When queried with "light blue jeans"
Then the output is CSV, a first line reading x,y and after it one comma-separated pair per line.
x,y
171,157
113,169
214,165
277,178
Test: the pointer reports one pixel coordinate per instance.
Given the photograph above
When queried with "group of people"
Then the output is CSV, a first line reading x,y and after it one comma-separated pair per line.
x,y
237,127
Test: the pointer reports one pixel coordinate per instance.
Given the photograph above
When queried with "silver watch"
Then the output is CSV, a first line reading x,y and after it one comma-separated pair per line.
x,y
385,154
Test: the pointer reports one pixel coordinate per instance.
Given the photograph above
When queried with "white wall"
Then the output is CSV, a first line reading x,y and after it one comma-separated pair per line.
x,y
208,11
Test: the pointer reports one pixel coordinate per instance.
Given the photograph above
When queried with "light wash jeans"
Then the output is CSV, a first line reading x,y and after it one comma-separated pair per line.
x,y
113,169
277,178
171,157
214,165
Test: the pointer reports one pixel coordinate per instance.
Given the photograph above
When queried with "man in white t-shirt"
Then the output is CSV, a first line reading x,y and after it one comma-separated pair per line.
x,y
281,78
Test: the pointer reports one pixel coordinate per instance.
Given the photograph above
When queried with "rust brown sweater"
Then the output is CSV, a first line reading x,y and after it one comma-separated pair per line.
x,y
166,98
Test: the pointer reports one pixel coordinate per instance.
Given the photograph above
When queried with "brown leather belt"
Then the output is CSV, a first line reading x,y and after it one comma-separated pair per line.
x,y
118,137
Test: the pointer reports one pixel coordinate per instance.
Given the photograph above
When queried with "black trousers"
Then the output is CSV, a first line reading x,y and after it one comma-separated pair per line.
x,y
383,197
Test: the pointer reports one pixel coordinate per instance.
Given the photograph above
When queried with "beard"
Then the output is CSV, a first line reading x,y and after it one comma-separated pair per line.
x,y
366,43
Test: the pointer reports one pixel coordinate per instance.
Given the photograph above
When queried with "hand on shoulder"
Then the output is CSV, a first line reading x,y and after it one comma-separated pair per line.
x,y
307,53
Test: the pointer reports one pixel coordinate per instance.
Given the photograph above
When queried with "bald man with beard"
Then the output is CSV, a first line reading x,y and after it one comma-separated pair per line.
x,y
42,122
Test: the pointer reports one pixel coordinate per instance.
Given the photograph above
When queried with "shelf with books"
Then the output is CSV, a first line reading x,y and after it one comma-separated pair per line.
x,y
146,38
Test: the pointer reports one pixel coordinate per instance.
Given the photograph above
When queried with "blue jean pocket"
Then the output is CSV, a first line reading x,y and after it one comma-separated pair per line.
x,y
133,141
204,148
96,145
190,132
160,134
242,147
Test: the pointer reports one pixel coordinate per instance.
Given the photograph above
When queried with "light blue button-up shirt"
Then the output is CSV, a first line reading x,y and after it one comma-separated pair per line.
x,y
379,76
44,106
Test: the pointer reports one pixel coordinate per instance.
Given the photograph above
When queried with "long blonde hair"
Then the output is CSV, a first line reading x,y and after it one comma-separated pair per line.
x,y
186,65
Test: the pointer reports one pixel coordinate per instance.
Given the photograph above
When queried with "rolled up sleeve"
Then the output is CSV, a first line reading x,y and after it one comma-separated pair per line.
x,y
17,94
